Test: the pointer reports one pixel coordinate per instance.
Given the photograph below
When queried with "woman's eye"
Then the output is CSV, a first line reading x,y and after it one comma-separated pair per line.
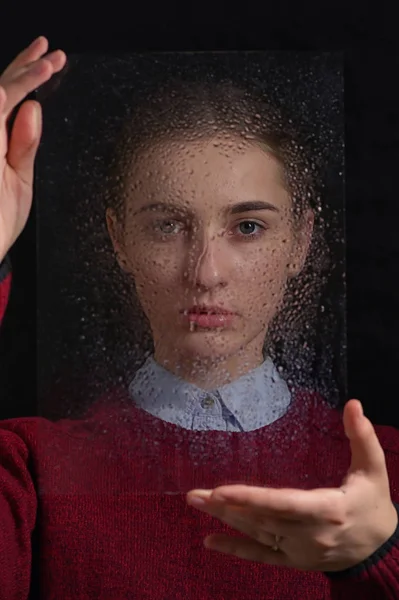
x,y
249,228
169,226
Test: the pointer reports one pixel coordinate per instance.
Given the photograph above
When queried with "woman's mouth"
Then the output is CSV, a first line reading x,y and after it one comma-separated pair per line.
x,y
208,317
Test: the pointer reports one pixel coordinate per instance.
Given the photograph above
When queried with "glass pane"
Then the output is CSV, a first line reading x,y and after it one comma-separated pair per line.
x,y
191,268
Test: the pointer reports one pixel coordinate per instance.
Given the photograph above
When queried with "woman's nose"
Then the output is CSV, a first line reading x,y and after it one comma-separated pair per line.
x,y
208,264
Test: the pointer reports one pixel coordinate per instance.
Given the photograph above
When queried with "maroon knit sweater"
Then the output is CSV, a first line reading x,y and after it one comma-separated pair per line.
x,y
95,508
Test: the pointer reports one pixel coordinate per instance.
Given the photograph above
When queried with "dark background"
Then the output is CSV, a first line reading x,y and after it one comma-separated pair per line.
x,y
372,161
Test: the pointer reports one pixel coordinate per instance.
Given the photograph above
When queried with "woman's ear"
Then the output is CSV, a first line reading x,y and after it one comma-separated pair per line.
x,y
115,231
302,241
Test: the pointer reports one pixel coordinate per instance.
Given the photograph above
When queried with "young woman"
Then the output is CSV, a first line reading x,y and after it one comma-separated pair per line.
x,y
210,246
208,233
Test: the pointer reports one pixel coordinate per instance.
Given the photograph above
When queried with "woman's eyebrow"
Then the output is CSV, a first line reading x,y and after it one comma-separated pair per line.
x,y
252,205
241,207
161,207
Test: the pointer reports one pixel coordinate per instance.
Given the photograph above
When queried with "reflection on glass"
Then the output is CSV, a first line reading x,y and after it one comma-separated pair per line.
x,y
198,264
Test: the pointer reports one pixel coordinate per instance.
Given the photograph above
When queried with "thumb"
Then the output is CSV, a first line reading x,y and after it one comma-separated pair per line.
x,y
24,140
367,453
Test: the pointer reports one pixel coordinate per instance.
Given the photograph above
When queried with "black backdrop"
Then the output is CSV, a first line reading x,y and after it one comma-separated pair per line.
x,y
372,161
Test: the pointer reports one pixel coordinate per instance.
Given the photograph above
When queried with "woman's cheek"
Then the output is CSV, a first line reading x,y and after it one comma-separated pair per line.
x,y
266,288
148,261
155,284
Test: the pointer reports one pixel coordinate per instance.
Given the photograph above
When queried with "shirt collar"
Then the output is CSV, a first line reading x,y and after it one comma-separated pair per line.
x,y
255,399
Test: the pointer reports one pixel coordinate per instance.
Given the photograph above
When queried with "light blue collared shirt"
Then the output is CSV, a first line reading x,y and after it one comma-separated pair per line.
x,y
254,400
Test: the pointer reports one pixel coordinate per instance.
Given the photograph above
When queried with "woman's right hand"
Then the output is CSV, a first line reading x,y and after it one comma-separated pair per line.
x,y
27,72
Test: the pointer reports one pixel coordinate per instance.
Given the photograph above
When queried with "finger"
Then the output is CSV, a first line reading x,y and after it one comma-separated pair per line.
x,y
24,140
245,549
30,78
33,52
57,58
367,453
306,506
297,505
257,525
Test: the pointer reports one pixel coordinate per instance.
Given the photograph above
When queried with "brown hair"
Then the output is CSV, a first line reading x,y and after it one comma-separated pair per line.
x,y
182,111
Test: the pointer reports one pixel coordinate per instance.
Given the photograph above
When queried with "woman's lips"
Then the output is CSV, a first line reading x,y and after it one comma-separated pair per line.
x,y
209,317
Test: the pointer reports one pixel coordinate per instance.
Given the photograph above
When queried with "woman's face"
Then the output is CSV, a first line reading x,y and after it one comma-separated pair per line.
x,y
209,240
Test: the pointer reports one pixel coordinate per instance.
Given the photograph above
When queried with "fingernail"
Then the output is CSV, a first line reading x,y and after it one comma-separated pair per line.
x,y
199,497
196,501
36,41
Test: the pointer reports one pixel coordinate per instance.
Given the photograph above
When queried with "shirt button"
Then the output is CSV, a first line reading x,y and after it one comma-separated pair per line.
x,y
207,402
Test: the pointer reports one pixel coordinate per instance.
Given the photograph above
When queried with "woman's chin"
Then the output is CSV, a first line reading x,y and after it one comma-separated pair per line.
x,y
209,344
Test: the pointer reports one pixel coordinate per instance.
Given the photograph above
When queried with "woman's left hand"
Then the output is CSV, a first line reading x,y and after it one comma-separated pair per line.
x,y
321,529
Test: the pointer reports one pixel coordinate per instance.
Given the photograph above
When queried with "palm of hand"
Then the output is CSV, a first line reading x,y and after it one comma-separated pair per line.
x,y
18,150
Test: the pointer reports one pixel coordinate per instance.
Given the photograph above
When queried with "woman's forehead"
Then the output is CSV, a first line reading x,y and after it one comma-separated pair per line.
x,y
213,170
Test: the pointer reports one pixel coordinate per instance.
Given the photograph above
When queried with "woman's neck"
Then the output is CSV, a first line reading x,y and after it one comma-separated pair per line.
x,y
209,372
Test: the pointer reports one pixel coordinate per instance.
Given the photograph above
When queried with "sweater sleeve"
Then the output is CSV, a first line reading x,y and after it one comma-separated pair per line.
x,y
5,284
18,505
375,578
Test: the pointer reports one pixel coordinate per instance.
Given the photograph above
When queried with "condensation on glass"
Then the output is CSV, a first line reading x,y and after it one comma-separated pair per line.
x,y
191,265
